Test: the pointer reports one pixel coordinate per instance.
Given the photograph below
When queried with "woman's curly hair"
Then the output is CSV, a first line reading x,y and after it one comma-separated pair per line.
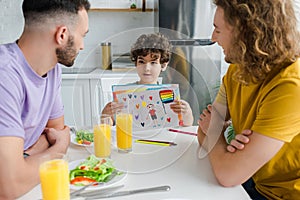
x,y
265,36
152,43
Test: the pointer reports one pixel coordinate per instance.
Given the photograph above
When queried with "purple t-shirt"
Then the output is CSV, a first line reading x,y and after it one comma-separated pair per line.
x,y
27,100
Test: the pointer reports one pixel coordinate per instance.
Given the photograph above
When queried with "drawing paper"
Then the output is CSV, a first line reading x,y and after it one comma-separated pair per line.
x,y
149,104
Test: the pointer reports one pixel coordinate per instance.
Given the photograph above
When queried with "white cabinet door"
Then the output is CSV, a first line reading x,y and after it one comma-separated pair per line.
x,y
77,102
96,97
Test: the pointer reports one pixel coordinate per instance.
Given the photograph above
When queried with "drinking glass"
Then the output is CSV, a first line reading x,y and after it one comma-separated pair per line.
x,y
54,177
102,135
124,130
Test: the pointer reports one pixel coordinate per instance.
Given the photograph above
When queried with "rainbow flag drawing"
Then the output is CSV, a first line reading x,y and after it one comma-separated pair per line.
x,y
166,96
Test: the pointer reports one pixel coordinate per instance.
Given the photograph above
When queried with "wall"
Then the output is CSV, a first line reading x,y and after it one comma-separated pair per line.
x,y
121,28
11,19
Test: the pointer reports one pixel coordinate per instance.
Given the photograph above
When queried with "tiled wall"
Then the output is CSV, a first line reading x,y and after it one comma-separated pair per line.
x,y
121,28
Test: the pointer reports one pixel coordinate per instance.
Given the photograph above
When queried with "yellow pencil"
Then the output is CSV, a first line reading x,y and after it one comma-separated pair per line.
x,y
154,142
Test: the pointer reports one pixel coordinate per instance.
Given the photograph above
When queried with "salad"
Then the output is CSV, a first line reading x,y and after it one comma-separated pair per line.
x,y
91,170
84,137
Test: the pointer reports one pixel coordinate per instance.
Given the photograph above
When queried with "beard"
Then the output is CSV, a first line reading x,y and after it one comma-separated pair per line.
x,y
66,55
227,59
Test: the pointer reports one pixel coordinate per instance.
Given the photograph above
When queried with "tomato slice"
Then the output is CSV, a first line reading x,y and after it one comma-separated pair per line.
x,y
86,142
84,167
80,180
102,161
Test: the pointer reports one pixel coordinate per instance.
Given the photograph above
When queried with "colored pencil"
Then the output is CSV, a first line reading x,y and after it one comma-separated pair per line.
x,y
184,132
156,142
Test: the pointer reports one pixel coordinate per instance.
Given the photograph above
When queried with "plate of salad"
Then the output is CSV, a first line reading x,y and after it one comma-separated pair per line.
x,y
83,137
93,169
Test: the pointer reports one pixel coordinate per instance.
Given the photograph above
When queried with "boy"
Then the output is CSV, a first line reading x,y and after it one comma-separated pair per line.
x,y
151,54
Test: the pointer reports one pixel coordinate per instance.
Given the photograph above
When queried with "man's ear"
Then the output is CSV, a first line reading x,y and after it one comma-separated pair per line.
x,y
164,66
61,35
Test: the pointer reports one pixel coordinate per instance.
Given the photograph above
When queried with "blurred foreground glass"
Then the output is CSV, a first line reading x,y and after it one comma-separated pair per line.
x,y
124,130
54,176
102,135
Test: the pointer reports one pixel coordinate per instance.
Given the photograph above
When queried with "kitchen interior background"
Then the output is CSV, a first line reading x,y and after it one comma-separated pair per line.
x,y
122,28
102,27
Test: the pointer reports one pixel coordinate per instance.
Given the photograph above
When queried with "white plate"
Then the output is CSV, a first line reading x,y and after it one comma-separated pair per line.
x,y
116,179
73,140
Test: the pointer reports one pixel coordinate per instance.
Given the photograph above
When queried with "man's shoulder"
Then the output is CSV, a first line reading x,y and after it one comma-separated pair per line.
x,y
8,54
6,49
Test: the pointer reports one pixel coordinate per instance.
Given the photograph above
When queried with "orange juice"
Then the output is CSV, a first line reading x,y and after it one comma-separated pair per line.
x,y
124,132
102,140
54,176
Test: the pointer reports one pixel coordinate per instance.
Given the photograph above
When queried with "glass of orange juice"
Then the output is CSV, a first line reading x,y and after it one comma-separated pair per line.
x,y
54,177
124,130
102,135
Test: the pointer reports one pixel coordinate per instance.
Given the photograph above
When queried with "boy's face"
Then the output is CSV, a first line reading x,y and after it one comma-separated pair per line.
x,y
149,68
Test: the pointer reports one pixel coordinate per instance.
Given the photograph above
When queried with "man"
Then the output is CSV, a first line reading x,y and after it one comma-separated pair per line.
x,y
260,94
32,120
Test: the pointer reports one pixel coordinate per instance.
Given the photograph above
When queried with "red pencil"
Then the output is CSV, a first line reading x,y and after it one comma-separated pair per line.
x,y
184,132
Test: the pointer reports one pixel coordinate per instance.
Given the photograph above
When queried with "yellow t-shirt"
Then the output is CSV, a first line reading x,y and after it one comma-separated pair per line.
x,y
271,108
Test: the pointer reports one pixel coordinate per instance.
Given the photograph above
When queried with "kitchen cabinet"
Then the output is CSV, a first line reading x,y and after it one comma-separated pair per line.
x,y
77,104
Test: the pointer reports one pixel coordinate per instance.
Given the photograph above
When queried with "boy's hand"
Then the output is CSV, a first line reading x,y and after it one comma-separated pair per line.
x,y
180,106
238,143
111,108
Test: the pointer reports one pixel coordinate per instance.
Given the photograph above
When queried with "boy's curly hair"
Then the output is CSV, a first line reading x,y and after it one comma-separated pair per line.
x,y
265,36
153,43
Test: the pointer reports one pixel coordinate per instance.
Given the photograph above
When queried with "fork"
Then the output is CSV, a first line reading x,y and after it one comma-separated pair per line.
x,y
73,130
76,192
